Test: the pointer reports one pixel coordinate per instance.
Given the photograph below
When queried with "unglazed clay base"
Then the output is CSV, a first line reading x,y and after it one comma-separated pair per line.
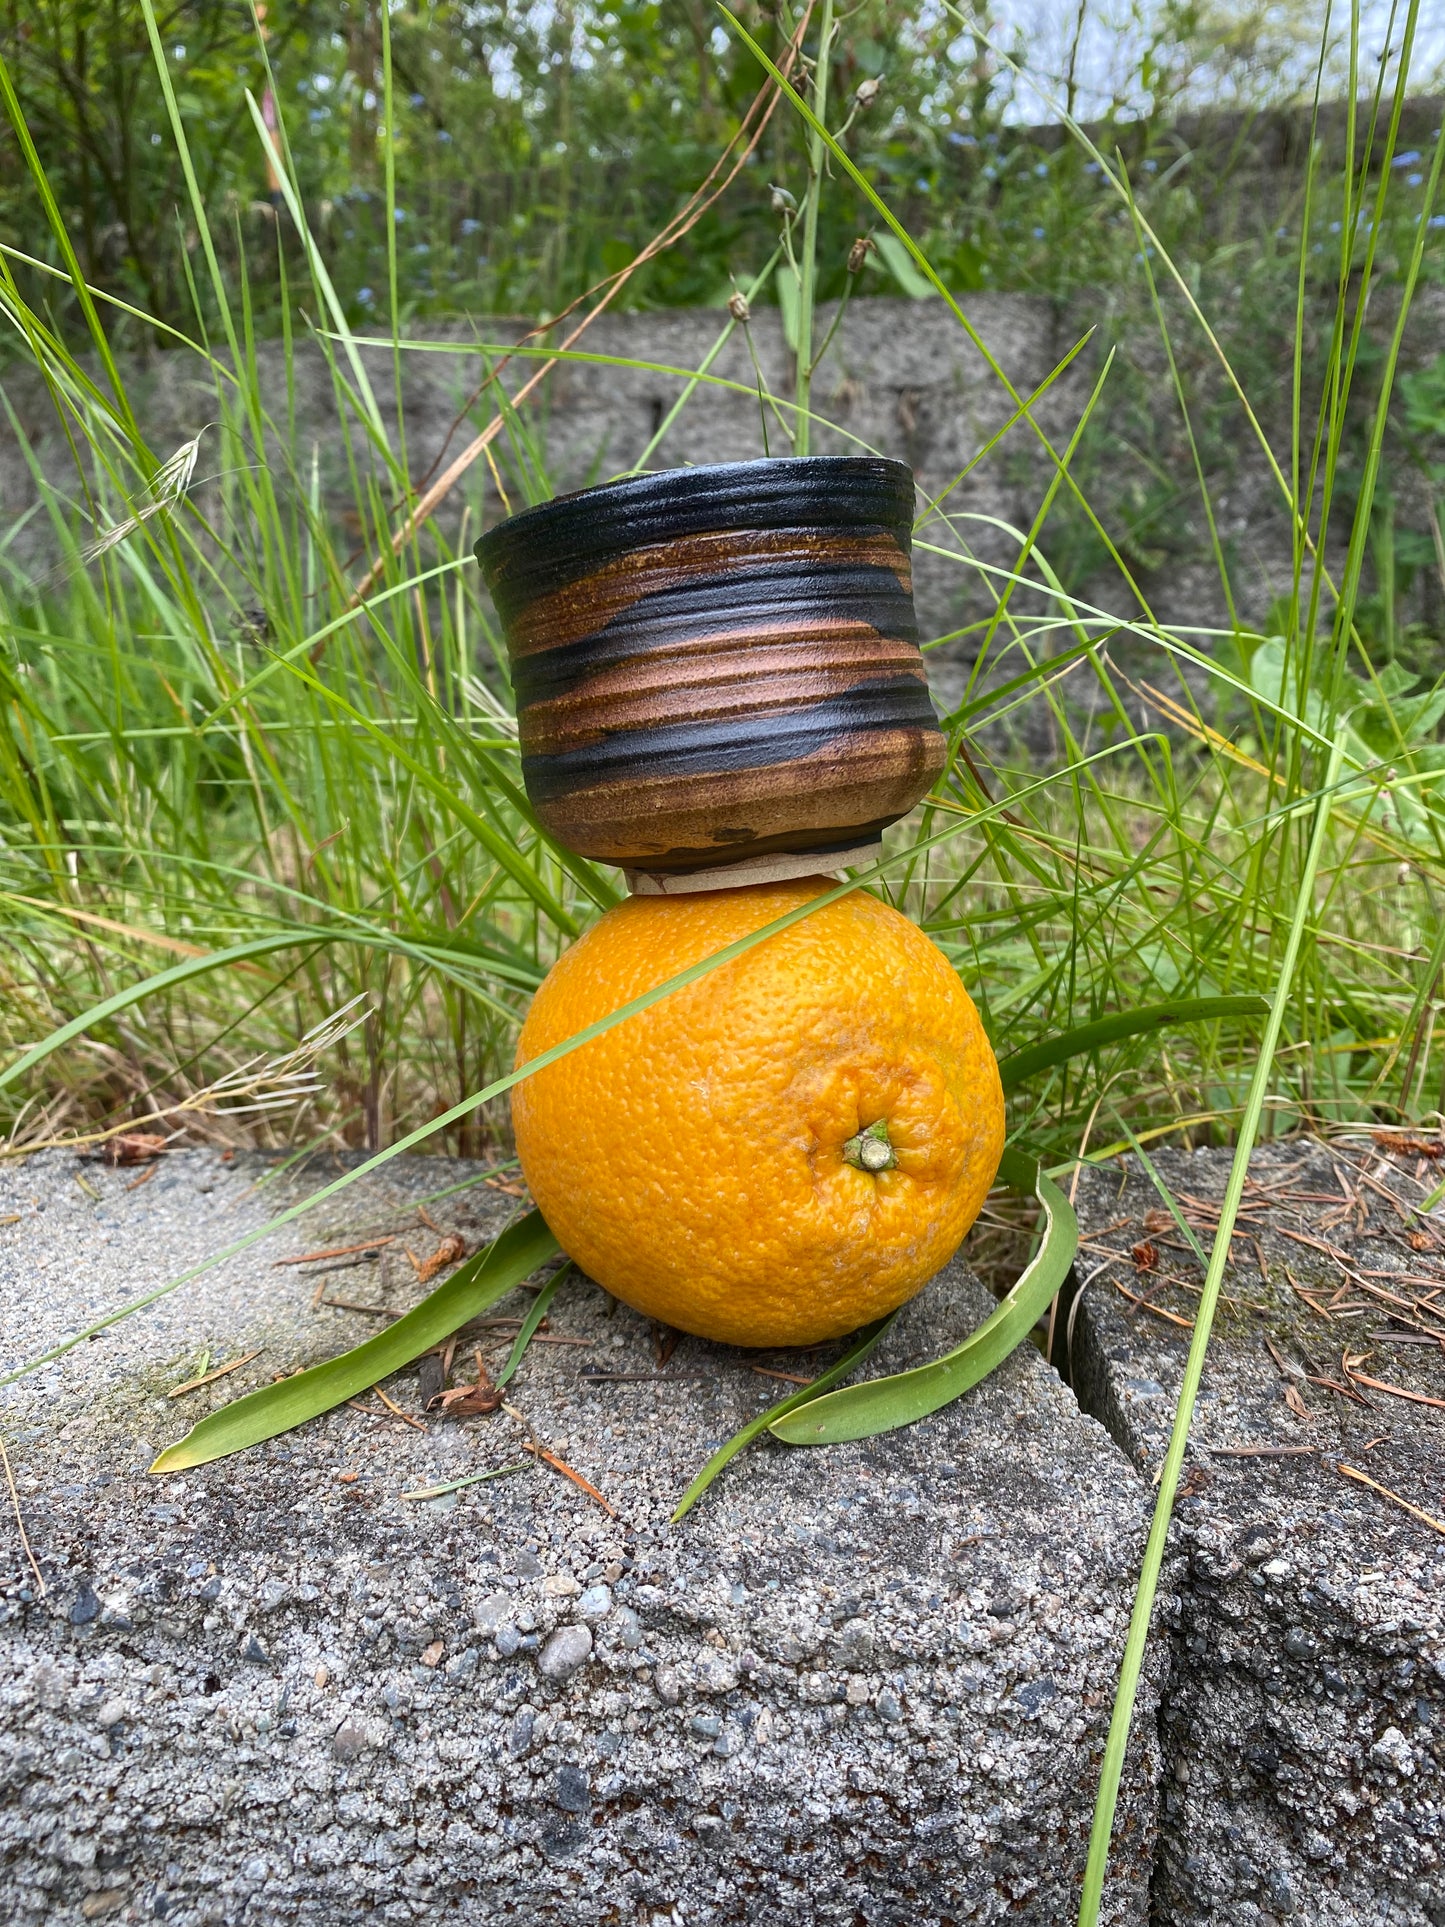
x,y
757,869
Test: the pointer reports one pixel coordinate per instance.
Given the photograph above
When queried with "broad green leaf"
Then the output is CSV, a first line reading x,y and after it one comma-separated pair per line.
x,y
1023,1064
786,282
899,263
884,1404
281,1407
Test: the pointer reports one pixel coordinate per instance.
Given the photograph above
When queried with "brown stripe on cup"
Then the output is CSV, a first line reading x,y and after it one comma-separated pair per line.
x,y
588,606
718,664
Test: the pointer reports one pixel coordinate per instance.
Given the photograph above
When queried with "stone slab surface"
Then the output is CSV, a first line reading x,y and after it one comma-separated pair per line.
x,y
900,377
863,1685
1304,1727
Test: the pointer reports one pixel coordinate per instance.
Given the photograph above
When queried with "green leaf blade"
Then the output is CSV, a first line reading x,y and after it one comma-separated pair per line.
x,y
536,1312
1020,1065
885,1404
281,1407
840,1368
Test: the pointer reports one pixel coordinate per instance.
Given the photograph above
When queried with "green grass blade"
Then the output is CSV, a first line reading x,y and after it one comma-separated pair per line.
x,y
850,1361
536,1313
848,166
366,399
281,1407
884,1404
1020,1065
472,1478
58,227
193,187
1166,1196
412,1139
1132,1667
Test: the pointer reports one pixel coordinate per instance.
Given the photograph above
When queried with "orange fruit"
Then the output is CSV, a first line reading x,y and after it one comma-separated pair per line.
x,y
784,1149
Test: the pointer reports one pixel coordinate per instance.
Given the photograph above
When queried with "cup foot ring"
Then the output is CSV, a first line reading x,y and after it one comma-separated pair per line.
x,y
777,866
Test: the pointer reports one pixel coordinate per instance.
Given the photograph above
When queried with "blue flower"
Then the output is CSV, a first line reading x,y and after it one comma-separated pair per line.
x,y
1038,234
401,214
1413,180
469,226
364,296
1405,160
1436,220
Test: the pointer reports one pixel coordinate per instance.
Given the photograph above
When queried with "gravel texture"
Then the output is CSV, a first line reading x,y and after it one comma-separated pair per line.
x,y
1304,1727
868,1684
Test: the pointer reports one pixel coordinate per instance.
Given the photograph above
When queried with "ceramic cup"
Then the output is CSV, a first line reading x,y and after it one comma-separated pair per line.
x,y
718,668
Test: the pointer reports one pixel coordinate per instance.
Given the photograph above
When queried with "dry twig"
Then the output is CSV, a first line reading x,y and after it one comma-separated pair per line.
x,y
568,1472
19,1520
1425,1518
221,1371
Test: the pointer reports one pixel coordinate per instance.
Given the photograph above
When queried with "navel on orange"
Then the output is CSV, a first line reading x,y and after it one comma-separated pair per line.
x,y
784,1149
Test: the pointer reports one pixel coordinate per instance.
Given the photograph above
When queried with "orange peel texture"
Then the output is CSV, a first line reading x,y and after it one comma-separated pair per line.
x,y
695,1159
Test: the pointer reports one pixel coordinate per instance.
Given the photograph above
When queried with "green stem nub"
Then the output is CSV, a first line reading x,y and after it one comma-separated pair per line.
x,y
871,1149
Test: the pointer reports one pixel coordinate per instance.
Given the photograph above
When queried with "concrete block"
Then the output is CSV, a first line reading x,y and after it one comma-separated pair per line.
x,y
1304,1724
864,1684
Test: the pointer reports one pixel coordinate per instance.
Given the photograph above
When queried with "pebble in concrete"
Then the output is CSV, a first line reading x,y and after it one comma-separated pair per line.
x,y
868,1683
565,1653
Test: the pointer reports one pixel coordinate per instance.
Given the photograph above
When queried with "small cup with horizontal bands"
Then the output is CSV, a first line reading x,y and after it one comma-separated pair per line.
x,y
717,668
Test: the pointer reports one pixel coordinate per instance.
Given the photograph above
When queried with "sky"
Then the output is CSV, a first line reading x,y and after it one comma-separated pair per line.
x,y
1115,35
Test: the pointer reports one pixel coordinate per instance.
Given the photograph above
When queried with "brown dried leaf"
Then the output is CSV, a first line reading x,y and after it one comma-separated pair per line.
x,y
1145,1255
1295,1403
1157,1220
473,1401
134,1147
1410,1147
447,1252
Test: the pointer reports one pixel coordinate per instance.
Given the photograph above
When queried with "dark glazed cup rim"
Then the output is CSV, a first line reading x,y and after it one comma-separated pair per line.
x,y
561,540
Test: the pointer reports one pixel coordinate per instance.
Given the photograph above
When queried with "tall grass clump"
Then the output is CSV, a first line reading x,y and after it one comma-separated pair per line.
x,y
258,760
